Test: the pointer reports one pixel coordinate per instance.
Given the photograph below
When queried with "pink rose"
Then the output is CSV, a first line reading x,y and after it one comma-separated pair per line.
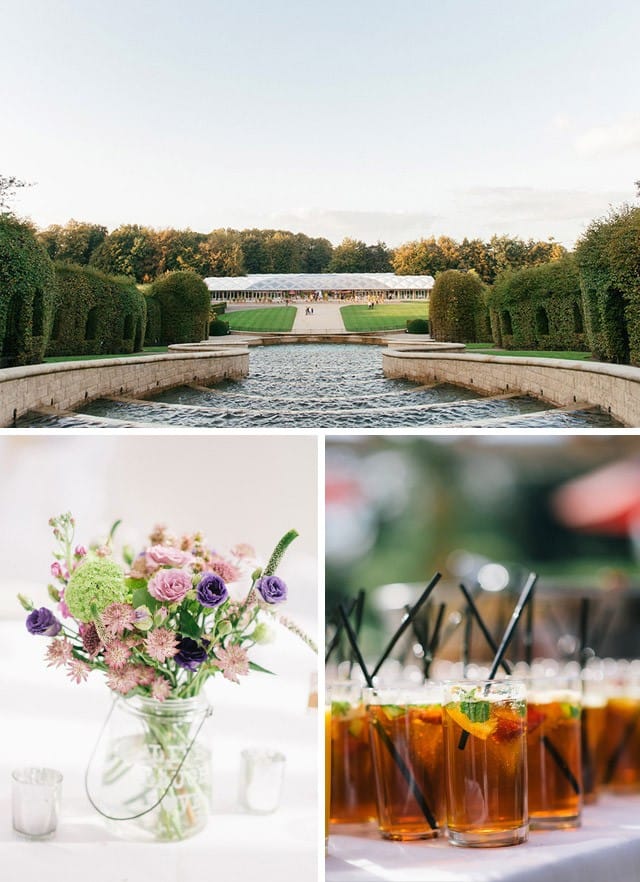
x,y
167,556
170,586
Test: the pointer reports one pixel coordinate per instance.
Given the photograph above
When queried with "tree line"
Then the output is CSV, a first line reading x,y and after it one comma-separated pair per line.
x,y
144,253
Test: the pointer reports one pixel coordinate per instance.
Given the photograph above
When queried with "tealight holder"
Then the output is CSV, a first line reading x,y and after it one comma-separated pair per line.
x,y
261,779
36,801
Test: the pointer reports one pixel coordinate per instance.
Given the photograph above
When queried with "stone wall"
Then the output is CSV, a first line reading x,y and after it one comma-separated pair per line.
x,y
615,388
68,384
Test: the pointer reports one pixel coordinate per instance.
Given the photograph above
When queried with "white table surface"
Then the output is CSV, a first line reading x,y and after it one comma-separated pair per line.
x,y
606,848
48,721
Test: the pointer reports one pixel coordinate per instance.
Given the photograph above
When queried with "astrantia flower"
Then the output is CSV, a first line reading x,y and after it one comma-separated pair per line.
x,y
144,675
161,644
272,589
117,655
118,618
159,534
170,586
243,550
190,654
227,571
58,653
122,681
160,689
211,590
167,556
94,586
77,670
43,623
233,661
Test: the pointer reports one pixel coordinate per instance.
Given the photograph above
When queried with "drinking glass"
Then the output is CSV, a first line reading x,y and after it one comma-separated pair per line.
x,y
485,762
594,720
36,801
621,741
405,728
352,785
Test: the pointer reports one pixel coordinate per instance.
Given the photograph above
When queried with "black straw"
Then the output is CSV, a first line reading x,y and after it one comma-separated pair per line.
x,y
435,640
406,622
336,637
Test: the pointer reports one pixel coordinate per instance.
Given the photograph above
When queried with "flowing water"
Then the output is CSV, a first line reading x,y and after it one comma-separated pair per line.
x,y
320,386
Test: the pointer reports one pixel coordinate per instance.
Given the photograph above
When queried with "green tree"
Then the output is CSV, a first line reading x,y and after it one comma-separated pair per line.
x,y
130,250
75,242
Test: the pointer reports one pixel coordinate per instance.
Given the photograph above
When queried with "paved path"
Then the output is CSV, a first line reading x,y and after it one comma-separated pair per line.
x,y
326,317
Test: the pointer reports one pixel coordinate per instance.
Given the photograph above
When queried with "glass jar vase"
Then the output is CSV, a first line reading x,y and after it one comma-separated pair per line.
x,y
151,773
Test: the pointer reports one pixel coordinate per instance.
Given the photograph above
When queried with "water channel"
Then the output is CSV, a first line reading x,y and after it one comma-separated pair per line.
x,y
321,386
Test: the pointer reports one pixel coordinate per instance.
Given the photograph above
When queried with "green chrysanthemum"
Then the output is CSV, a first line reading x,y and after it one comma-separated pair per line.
x,y
93,587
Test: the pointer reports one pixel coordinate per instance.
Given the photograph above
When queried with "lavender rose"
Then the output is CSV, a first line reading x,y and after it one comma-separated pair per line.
x,y
190,654
167,556
43,622
211,590
272,589
170,586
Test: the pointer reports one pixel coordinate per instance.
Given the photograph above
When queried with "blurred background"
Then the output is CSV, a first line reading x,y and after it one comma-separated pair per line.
x,y
487,509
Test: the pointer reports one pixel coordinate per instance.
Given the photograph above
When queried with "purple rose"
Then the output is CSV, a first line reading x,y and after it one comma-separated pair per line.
x,y
211,590
190,654
272,589
43,622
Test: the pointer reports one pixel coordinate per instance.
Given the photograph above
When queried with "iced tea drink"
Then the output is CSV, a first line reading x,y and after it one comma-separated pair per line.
x,y
405,728
554,752
352,784
327,772
594,714
621,743
485,726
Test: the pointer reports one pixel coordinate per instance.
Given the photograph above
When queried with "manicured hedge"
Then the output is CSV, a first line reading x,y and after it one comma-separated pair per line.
x,y
608,258
96,314
457,309
27,294
418,326
539,307
153,331
184,302
218,328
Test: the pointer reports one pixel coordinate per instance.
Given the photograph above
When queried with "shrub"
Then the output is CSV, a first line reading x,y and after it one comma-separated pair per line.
x,y
96,314
219,307
184,302
27,294
538,307
457,307
417,326
218,328
608,258
153,331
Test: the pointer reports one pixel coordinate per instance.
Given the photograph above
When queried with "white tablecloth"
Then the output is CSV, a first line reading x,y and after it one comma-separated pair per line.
x,y
48,721
605,849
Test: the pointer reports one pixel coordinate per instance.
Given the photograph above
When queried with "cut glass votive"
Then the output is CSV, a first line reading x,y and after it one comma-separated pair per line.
x,y
36,801
261,779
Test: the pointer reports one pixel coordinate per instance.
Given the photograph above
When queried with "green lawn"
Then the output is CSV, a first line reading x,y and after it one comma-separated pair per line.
x,y
383,317
150,350
273,318
487,349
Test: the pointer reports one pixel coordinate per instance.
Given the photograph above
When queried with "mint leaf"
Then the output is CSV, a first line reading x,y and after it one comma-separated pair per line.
x,y
476,711
391,711
340,708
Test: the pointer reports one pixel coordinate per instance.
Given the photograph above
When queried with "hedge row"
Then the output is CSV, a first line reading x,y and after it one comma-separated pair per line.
x,y
457,309
182,302
96,314
608,257
27,294
538,307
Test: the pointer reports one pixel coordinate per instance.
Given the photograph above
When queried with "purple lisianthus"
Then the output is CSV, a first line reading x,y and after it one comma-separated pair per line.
x,y
211,590
272,589
190,654
43,622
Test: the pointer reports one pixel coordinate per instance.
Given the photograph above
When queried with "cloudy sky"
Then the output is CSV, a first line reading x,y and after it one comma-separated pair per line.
x,y
364,118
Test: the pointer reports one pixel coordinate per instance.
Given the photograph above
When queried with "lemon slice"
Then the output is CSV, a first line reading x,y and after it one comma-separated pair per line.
x,y
479,730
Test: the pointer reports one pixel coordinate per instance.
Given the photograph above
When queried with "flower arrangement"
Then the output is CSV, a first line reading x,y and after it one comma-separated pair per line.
x,y
164,623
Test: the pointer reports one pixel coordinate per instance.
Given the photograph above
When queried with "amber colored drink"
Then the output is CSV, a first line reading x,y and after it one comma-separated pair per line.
x,y
352,784
485,763
408,762
554,758
594,718
621,745
327,771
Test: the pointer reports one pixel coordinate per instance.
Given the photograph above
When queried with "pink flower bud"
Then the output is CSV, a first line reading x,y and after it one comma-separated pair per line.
x,y
80,551
56,570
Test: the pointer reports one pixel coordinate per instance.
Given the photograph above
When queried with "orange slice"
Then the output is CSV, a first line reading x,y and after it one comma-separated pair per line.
x,y
479,730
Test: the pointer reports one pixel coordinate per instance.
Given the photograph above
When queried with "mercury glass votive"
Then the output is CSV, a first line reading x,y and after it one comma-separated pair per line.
x,y
36,801
261,779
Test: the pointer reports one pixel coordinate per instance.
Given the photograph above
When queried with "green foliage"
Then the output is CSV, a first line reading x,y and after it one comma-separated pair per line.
x,y
219,307
153,331
457,307
353,256
131,250
418,326
538,308
27,294
608,258
218,328
74,243
96,314
384,316
184,302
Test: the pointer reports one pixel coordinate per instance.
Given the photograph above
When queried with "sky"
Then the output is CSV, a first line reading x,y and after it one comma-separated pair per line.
x,y
364,118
